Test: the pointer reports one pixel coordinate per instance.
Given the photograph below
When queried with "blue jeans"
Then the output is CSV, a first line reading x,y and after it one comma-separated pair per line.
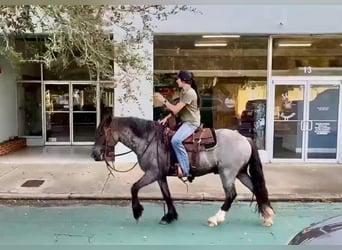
x,y
185,130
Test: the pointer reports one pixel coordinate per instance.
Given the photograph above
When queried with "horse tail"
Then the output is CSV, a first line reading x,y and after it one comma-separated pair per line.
x,y
258,179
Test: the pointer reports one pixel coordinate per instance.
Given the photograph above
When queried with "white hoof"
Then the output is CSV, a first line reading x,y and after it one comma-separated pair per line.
x,y
268,218
212,222
217,219
267,222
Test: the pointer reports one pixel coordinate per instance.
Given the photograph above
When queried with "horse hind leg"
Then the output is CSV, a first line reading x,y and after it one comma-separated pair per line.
x,y
266,210
230,193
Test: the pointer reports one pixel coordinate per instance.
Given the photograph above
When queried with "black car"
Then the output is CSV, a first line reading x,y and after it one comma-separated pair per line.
x,y
326,232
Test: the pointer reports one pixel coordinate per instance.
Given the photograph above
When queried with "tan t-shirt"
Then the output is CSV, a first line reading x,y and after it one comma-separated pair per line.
x,y
190,113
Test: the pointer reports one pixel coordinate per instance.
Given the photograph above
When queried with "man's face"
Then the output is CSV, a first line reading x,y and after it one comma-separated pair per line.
x,y
179,82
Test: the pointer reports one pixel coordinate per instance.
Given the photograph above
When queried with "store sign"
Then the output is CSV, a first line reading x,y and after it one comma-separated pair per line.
x,y
323,108
230,103
307,70
322,128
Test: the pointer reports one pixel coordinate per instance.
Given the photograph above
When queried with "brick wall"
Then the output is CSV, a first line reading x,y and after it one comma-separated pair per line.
x,y
12,145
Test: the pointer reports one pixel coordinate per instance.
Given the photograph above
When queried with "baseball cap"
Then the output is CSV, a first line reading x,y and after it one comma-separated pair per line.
x,y
184,75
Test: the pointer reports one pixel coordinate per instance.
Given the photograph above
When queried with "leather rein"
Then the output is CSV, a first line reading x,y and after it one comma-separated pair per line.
x,y
108,134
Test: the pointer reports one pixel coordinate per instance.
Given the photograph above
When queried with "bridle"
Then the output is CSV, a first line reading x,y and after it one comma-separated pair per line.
x,y
108,136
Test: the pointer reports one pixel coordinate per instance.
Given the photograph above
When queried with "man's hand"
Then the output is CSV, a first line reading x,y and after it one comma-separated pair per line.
x,y
162,122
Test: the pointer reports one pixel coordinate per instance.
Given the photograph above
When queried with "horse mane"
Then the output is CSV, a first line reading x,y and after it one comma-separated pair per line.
x,y
140,127
105,122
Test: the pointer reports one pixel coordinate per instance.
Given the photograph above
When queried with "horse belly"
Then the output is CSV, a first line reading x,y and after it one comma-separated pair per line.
x,y
207,163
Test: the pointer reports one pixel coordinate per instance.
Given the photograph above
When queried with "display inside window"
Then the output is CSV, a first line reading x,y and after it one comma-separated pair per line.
x,y
231,79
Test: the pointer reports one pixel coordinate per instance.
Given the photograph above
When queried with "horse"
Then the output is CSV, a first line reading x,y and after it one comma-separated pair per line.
x,y
232,157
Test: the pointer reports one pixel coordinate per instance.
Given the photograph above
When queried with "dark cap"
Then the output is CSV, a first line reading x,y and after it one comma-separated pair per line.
x,y
184,75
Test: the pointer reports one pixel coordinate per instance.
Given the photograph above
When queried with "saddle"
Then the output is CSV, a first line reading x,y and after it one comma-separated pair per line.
x,y
201,140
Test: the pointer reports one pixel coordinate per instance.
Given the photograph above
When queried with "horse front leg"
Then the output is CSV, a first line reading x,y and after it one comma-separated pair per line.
x,y
146,179
171,210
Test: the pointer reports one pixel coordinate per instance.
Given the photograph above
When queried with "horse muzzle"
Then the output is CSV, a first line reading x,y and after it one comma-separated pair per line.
x,y
97,153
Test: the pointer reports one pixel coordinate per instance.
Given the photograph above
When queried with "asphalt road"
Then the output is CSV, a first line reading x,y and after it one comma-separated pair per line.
x,y
104,224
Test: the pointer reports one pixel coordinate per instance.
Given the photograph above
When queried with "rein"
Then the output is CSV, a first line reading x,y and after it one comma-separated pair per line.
x,y
108,133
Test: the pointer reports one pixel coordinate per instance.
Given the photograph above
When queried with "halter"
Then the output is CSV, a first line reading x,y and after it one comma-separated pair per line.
x,y
108,135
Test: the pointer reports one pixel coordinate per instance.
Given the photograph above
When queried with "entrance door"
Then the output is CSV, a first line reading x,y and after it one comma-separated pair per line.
x,y
70,113
306,118
322,123
57,113
83,120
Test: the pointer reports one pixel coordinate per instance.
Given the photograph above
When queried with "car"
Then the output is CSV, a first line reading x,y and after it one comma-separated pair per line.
x,y
325,232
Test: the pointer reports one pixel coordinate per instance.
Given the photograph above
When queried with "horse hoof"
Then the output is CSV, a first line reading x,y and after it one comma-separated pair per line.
x,y
137,211
167,219
163,222
267,223
212,224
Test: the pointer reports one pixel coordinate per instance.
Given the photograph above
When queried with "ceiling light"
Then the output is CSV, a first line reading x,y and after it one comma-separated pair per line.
x,y
220,36
210,44
294,44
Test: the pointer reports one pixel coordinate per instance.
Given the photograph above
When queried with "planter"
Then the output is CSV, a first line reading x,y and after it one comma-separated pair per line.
x,y
12,145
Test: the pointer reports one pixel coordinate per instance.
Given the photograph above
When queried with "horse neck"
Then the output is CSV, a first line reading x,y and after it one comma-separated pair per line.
x,y
132,141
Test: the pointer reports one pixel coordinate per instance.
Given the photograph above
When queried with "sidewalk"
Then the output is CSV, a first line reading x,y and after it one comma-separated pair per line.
x,y
87,181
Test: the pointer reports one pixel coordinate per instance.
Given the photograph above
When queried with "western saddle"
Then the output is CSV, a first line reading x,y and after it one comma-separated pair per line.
x,y
201,140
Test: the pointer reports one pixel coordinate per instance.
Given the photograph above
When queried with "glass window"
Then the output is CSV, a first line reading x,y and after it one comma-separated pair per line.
x,y
71,73
30,109
106,98
29,47
310,55
29,71
231,75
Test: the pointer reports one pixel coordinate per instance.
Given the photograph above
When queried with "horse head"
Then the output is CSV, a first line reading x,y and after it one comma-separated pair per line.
x,y
104,135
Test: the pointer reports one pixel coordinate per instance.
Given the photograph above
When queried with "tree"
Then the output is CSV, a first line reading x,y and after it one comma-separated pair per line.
x,y
83,34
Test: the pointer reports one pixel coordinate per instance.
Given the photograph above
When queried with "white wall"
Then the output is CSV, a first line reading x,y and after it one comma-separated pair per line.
x,y
8,103
143,87
257,19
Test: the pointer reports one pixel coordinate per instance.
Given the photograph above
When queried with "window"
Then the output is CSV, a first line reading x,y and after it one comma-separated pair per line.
x,y
231,75
30,109
310,56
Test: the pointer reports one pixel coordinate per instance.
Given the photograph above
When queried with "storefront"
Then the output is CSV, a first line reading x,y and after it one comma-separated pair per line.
x,y
271,71
282,91
60,112
306,118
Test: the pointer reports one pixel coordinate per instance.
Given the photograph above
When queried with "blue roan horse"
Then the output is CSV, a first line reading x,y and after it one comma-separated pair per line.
x,y
232,157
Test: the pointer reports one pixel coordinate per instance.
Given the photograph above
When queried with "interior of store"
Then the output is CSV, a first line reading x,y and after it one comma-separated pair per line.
x,y
231,71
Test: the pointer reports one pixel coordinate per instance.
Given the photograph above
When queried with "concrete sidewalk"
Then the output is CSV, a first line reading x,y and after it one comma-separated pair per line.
x,y
88,181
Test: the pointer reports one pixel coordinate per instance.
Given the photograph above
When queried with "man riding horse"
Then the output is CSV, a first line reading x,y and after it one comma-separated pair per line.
x,y
188,111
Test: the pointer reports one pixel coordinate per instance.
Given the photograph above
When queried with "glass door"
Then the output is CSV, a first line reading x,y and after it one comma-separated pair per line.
x,y
57,113
288,122
323,120
83,113
306,120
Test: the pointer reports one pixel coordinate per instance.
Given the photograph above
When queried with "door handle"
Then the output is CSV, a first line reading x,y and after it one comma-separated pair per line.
x,y
302,123
310,125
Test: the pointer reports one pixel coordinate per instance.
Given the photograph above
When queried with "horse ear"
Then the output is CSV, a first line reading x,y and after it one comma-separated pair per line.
x,y
108,120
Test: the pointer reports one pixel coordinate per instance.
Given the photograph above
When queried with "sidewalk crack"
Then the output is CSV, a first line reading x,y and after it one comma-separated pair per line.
x,y
9,171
